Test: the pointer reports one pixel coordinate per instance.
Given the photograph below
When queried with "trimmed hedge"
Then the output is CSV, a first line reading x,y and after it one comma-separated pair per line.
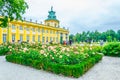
x,y
75,70
112,49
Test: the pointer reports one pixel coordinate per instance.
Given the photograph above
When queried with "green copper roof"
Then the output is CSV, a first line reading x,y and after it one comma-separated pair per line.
x,y
51,15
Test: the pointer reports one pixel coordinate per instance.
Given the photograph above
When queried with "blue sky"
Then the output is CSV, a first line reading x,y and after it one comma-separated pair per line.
x,y
78,15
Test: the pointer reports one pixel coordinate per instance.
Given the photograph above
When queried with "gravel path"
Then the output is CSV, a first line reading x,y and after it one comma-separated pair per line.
x,y
107,69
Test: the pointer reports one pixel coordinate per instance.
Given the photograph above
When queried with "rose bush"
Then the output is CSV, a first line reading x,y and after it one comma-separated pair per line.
x,y
55,58
68,55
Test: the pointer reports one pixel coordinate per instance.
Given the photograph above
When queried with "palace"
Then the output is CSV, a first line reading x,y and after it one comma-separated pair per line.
x,y
29,31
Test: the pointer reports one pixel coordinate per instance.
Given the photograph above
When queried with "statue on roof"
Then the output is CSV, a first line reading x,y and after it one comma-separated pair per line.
x,y
51,8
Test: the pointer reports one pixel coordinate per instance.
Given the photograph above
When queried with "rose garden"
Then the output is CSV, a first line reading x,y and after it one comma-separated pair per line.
x,y
72,61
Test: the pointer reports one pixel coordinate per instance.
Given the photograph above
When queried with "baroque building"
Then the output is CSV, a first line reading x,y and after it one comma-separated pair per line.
x,y
29,31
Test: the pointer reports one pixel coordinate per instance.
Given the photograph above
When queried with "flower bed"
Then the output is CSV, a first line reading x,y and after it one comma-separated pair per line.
x,y
71,61
39,62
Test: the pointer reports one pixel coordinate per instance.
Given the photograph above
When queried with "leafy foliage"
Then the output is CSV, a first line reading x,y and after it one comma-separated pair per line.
x,y
71,61
33,59
11,9
56,53
112,49
3,50
109,35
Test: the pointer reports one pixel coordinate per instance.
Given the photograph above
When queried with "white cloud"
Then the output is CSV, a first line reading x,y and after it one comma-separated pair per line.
x,y
75,14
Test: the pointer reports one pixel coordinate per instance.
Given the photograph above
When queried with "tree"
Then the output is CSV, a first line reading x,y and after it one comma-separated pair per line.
x,y
118,35
83,36
71,37
10,10
77,37
91,36
111,33
96,36
109,38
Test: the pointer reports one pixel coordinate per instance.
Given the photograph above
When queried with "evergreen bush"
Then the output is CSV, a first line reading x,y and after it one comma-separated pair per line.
x,y
112,49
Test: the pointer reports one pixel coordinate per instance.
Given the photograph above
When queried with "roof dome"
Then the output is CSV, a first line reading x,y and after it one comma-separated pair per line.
x,y
52,15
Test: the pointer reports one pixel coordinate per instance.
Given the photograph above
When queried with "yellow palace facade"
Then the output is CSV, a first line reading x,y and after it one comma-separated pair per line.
x,y
34,32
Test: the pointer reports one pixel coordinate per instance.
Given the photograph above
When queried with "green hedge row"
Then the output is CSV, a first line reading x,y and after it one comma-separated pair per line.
x,y
112,49
67,70
3,50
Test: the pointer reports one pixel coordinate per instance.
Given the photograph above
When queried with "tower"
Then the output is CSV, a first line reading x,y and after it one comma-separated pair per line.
x,y
52,20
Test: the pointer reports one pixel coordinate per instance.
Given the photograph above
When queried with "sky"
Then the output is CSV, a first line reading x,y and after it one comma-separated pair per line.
x,y
78,15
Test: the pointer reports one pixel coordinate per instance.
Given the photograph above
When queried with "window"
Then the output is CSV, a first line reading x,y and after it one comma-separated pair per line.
x,y
66,36
54,16
27,29
13,26
55,25
49,16
46,31
43,39
42,30
50,31
46,39
53,38
56,32
50,38
61,34
39,30
21,28
33,29
28,38
13,37
61,37
4,37
21,37
33,39
48,24
38,38
56,39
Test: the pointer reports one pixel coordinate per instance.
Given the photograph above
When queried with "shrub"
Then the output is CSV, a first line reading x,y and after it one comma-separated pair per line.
x,y
112,49
67,60
33,60
3,50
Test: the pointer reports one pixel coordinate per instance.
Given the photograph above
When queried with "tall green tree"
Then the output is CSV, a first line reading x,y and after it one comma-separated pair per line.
x,y
71,37
111,34
77,37
96,36
91,36
103,36
118,35
10,10
109,39
83,36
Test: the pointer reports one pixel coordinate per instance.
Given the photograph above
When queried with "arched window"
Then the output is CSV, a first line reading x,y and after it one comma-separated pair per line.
x,y
55,25
48,24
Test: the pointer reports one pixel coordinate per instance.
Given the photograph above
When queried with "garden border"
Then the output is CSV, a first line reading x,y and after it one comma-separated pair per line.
x,y
76,70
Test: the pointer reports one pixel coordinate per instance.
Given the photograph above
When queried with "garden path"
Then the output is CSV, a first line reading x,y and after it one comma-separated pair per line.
x,y
107,69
